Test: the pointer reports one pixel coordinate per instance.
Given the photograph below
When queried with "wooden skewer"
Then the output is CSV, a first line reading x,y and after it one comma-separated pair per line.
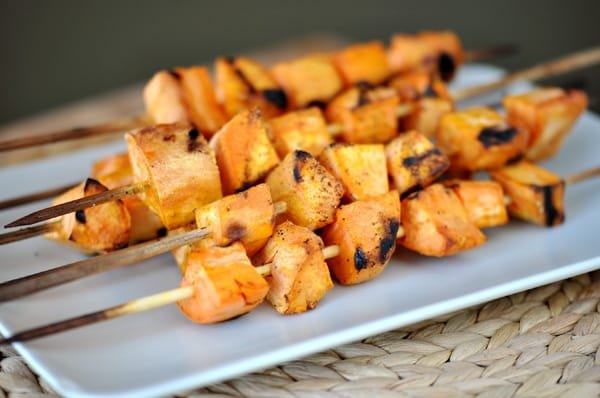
x,y
25,233
46,279
53,277
130,307
481,54
577,177
34,197
564,64
76,133
79,204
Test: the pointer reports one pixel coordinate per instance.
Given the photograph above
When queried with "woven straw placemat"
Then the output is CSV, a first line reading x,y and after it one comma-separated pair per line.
x,y
544,342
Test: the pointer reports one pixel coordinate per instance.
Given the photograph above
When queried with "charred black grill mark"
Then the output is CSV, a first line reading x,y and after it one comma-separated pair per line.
x,y
235,231
553,215
246,185
161,232
317,103
80,216
388,242
491,136
412,193
446,66
175,74
192,143
360,259
91,181
413,161
300,159
245,80
276,96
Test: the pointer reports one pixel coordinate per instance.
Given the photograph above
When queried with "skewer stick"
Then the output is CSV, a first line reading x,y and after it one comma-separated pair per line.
x,y
583,175
34,197
75,133
481,54
43,280
79,204
25,233
130,307
564,64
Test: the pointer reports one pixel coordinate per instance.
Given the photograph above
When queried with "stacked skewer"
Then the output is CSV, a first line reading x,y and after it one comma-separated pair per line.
x,y
335,181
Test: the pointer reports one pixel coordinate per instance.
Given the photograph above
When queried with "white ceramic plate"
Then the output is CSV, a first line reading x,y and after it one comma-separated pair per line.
x,y
161,352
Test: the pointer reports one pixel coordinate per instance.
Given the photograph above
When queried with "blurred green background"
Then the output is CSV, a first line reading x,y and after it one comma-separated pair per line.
x,y
56,52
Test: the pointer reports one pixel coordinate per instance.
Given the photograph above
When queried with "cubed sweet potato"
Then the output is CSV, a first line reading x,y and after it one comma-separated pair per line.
x,y
547,114
366,232
436,223
204,110
363,62
299,275
367,115
483,201
536,195
242,83
96,229
413,161
244,152
479,139
361,168
247,216
224,282
309,79
309,190
175,160
305,129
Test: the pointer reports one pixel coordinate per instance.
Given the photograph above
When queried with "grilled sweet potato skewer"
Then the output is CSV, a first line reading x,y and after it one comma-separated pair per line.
x,y
248,217
190,296
442,45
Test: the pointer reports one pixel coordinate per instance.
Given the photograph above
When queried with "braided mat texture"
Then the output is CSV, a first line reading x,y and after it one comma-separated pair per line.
x,y
543,342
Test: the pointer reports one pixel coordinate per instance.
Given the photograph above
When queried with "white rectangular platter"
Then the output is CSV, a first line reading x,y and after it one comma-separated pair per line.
x,y
160,352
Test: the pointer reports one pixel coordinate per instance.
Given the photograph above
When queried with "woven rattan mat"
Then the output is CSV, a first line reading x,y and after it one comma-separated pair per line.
x,y
543,342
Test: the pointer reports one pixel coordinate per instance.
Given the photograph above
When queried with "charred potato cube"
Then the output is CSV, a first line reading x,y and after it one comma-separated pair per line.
x,y
97,229
175,160
225,284
205,112
305,129
310,79
244,152
163,99
440,53
547,114
365,62
366,233
299,275
483,201
430,100
536,195
413,161
310,191
436,223
361,168
367,115
244,84
479,139
247,216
